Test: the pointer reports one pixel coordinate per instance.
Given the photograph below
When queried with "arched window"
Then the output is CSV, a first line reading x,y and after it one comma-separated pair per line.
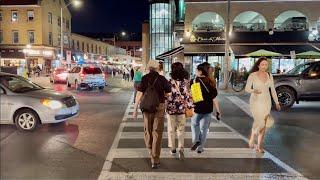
x,y
291,21
249,21
208,21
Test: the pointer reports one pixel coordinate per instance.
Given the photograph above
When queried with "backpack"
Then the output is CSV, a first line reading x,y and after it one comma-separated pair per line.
x,y
150,99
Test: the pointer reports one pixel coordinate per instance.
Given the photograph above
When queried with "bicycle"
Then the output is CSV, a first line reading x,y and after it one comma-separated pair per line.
x,y
237,81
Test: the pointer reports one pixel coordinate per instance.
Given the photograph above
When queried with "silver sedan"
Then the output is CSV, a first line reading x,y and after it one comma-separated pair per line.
x,y
26,104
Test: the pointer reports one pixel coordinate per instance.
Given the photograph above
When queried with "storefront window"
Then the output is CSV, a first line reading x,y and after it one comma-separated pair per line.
x,y
245,64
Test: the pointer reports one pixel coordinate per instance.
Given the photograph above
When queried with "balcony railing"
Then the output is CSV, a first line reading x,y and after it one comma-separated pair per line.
x,y
292,26
248,26
213,27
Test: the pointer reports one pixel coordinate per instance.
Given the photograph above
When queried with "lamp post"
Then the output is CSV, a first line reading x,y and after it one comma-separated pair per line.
x,y
76,3
226,64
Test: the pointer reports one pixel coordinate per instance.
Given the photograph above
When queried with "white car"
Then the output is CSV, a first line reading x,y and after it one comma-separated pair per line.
x,y
86,77
26,104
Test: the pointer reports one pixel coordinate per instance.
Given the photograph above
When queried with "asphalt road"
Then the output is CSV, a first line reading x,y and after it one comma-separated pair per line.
x,y
77,149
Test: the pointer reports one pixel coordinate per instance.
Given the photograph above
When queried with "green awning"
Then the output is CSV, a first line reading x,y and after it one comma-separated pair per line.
x,y
263,53
309,55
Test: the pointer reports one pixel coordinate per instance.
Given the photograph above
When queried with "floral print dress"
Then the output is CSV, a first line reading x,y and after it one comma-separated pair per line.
x,y
180,97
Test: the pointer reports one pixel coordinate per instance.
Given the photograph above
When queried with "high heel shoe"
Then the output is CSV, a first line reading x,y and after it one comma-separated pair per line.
x,y
259,150
251,145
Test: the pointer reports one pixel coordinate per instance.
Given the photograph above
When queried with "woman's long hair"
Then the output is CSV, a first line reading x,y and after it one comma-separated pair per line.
x,y
203,68
210,71
256,65
178,72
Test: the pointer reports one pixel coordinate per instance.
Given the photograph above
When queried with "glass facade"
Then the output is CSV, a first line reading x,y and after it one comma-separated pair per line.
x,y
162,16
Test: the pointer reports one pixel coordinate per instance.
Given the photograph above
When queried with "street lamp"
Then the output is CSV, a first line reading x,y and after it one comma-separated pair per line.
x,y
76,3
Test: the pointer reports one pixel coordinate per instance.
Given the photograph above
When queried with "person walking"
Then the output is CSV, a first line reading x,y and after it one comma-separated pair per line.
x,y
259,85
200,122
177,102
151,98
213,82
132,73
136,82
217,70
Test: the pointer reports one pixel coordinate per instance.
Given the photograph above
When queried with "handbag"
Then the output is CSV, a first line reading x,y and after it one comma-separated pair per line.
x,y
196,92
269,121
188,112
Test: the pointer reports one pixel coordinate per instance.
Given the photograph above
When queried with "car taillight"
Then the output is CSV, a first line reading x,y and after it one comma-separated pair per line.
x,y
82,75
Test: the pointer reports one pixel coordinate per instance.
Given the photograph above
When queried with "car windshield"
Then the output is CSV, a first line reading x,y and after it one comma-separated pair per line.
x,y
18,84
92,70
298,69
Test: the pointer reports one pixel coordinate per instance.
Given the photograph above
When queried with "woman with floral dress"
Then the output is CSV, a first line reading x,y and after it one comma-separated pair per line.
x,y
177,102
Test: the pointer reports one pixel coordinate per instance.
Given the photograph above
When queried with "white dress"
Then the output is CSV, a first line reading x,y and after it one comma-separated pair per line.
x,y
260,104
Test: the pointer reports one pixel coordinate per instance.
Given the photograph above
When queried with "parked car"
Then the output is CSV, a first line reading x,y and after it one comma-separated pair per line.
x,y
59,75
302,83
26,104
86,77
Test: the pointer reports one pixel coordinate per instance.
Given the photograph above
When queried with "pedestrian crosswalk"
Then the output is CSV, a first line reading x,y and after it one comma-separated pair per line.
x,y
226,156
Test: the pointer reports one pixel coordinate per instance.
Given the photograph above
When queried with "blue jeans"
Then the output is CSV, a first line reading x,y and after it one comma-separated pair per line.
x,y
200,124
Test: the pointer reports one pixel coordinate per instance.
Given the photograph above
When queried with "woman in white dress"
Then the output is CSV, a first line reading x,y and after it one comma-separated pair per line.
x,y
258,85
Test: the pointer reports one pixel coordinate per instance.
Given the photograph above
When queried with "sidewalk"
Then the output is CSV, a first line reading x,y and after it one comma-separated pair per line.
x,y
117,81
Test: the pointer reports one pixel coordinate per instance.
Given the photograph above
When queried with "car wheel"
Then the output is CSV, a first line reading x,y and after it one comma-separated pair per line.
x,y
101,88
26,120
286,97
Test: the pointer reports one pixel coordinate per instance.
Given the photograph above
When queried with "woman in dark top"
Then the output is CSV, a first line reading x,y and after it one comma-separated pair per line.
x,y
200,122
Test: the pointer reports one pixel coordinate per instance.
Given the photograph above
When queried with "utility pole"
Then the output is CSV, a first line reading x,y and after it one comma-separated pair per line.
x,y
226,63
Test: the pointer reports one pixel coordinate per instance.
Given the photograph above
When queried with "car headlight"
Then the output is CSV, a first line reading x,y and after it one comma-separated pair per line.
x,y
52,104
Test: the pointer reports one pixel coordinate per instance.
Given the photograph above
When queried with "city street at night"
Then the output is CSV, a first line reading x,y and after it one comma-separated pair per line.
x,y
159,89
90,146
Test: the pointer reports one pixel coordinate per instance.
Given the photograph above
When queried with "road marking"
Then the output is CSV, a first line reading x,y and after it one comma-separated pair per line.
x,y
209,152
114,90
211,135
246,108
115,152
198,176
188,124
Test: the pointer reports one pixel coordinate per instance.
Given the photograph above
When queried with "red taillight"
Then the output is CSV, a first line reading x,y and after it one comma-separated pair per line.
x,y
82,75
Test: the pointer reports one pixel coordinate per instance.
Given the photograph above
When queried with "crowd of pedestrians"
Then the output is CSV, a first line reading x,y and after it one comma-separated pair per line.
x,y
180,98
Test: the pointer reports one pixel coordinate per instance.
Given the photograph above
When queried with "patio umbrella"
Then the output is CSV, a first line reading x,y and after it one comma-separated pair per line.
x,y
309,55
264,53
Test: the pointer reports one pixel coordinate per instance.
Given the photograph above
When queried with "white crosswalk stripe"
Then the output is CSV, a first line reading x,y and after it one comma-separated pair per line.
x,y
132,131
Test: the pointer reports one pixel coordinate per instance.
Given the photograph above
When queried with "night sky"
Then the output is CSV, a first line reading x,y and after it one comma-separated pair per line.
x,y
110,16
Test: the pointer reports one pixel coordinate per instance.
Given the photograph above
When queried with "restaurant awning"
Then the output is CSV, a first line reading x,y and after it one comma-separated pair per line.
x,y
170,53
263,52
309,55
197,49
243,50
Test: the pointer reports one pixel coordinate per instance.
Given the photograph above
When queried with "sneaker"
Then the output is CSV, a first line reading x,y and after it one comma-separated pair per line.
x,y
181,155
173,151
199,151
155,165
195,146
